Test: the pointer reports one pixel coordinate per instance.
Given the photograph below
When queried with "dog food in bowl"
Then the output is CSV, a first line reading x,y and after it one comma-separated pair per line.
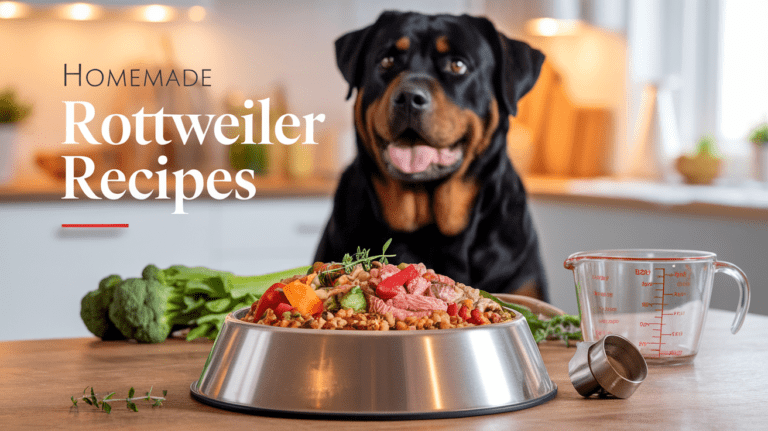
x,y
383,297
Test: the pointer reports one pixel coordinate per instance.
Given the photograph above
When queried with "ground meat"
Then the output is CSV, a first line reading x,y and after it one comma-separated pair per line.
x,y
377,305
418,286
417,303
446,292
485,304
344,288
388,270
469,293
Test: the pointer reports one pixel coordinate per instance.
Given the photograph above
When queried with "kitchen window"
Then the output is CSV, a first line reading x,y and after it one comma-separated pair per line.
x,y
743,65
708,58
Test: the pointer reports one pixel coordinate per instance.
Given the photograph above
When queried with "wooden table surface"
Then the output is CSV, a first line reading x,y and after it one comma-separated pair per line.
x,y
725,388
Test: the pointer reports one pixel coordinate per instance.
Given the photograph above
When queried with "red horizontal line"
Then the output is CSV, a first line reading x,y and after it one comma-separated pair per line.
x,y
95,225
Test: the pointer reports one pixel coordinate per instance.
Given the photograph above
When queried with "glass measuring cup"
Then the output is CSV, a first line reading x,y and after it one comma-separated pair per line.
x,y
658,299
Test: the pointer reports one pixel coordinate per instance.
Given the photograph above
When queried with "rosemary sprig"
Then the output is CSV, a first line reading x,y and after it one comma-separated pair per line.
x,y
92,399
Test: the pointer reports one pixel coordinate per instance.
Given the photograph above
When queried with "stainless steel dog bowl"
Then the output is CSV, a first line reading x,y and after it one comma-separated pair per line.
x,y
374,375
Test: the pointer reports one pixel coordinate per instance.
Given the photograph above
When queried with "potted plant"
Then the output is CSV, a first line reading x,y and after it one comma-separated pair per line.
x,y
759,139
12,111
704,165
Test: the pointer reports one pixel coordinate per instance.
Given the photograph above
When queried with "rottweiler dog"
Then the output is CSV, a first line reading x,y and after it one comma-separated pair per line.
x,y
434,94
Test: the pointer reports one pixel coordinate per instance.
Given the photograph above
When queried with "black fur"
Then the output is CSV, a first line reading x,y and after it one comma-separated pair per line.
x,y
498,251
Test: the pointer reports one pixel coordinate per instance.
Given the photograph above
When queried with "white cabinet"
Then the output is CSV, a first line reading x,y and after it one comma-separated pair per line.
x,y
269,234
45,269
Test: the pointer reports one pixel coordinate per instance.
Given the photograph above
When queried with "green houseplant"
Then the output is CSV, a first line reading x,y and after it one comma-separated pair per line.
x,y
759,139
703,166
12,111
759,135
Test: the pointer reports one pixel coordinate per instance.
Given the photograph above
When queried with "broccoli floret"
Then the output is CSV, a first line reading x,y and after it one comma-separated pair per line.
x,y
331,304
354,299
145,310
94,309
153,272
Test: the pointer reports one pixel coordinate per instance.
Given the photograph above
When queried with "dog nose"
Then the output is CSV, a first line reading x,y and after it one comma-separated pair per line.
x,y
413,97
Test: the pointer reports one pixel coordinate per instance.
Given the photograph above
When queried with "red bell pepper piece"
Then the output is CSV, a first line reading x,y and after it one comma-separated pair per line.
x,y
453,309
270,299
464,312
389,288
476,317
282,308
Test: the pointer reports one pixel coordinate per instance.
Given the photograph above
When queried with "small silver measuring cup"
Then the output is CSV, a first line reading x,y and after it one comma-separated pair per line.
x,y
610,366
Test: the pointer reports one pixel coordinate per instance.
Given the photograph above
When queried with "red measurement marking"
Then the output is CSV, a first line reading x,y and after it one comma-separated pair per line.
x,y
609,321
95,225
645,324
663,286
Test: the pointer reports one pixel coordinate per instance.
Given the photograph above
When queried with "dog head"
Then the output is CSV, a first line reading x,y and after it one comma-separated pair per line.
x,y
432,91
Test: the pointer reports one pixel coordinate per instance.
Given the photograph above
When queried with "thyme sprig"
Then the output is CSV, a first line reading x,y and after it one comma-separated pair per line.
x,y
362,256
103,404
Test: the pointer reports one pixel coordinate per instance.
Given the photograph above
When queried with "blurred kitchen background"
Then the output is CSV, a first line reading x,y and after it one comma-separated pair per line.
x,y
644,131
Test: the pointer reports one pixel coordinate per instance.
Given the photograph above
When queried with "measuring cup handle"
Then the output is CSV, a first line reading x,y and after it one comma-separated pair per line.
x,y
744,294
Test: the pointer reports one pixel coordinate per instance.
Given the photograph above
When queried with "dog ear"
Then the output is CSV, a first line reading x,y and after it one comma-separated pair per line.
x,y
517,64
521,66
350,51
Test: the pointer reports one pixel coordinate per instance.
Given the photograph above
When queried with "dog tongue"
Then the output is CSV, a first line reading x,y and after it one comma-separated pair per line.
x,y
418,158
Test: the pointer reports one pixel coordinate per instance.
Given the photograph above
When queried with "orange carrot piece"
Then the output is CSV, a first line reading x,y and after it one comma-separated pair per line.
x,y
302,297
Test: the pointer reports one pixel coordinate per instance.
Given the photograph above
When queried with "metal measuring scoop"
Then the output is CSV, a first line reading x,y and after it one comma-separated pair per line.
x,y
609,366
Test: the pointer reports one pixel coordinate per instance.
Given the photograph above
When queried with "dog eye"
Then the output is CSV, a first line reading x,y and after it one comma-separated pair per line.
x,y
387,62
457,67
